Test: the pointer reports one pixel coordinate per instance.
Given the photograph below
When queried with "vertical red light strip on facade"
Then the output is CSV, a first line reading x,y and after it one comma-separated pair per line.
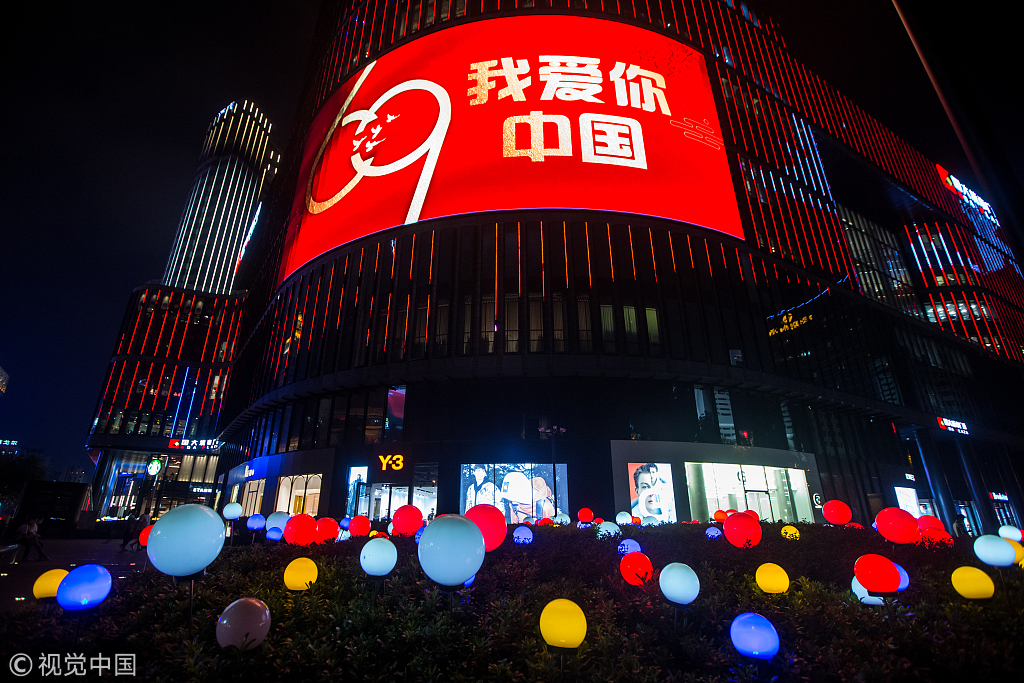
x,y
730,99
707,253
188,319
590,273
672,251
138,318
771,212
327,306
496,247
311,324
170,389
543,291
209,328
145,337
565,252
654,258
611,256
689,248
995,323
430,265
149,374
632,256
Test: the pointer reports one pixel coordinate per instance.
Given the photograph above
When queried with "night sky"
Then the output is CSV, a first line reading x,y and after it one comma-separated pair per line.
x,y
104,112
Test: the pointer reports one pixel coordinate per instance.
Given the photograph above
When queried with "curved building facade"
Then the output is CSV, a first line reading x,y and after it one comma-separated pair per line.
x,y
236,165
628,256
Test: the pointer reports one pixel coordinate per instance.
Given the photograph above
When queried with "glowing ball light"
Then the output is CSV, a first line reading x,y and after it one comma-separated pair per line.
x,y
327,530
300,530
862,594
530,520
877,574
243,624
623,518
275,533
563,624
904,578
451,550
256,522
754,636
742,531
636,568
491,523
627,546
144,536
277,520
561,518
232,511
418,534
679,584
598,520
649,520
934,536
47,583
374,533
391,528
469,581
730,512
771,578
837,512
972,583
994,551
713,532
897,525
359,526
721,515
608,530
86,586
300,574
854,525
522,536
585,515
930,522
186,540
583,525
636,521
1010,533
790,532
378,557
546,521
407,520
1018,550
753,514
343,522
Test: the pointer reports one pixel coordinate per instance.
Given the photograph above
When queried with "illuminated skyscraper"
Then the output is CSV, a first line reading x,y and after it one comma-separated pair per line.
x,y
237,163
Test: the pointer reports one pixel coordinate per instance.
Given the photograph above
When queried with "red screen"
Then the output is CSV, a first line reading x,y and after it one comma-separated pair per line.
x,y
515,113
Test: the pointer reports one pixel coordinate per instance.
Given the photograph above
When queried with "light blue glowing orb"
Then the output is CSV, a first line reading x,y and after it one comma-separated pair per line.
x,y
679,584
904,578
623,518
275,533
628,545
278,520
994,551
232,511
451,550
1010,533
469,582
419,532
84,587
378,557
343,522
713,532
862,593
256,523
754,636
186,540
522,536
649,520
608,530
561,518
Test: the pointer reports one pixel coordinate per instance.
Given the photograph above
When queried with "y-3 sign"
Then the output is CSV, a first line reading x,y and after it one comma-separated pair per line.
x,y
395,462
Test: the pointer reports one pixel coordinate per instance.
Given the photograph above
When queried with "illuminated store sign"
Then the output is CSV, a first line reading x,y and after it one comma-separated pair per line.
x,y
952,425
998,496
194,444
153,468
515,113
966,194
202,489
8,442
789,322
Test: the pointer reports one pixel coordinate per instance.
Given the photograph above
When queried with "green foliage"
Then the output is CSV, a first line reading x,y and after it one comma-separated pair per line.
x,y
344,629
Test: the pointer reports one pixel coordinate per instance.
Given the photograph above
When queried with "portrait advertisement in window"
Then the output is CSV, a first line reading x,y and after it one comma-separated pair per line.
x,y
650,491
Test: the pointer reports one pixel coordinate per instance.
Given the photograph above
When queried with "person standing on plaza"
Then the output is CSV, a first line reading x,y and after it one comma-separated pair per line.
x,y
144,520
129,530
28,536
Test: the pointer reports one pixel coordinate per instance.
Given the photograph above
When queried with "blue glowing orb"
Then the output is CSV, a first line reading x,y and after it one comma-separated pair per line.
x,y
84,587
904,578
522,536
232,511
278,519
628,545
754,636
451,550
186,540
679,584
343,522
256,523
275,533
862,593
419,532
994,551
713,532
583,525
469,581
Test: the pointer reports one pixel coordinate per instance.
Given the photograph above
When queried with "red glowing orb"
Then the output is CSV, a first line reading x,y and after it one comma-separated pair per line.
x,y
721,515
898,526
585,515
407,520
730,512
753,514
546,521
144,536
326,530
930,522
877,574
598,520
742,531
300,530
382,534
837,512
636,568
854,525
637,521
932,537
359,526
491,523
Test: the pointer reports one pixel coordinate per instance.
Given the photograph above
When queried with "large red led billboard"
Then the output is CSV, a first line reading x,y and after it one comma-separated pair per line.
x,y
515,113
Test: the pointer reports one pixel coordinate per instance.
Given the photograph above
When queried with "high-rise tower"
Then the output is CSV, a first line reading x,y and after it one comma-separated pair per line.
x,y
237,163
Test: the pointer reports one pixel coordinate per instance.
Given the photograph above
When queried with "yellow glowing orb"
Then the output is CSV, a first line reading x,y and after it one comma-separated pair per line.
x,y
300,574
790,532
972,583
46,585
1018,549
771,578
563,624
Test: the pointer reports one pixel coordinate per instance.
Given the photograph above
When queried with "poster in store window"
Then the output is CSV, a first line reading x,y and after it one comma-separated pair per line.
x,y
519,490
650,491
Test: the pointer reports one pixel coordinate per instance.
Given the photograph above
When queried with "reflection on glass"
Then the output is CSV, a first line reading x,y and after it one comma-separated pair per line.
x,y
775,493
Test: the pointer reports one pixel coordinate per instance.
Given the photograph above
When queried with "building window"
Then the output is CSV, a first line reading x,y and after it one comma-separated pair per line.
x,y
252,496
558,315
299,494
536,322
608,328
629,320
653,333
511,323
583,321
